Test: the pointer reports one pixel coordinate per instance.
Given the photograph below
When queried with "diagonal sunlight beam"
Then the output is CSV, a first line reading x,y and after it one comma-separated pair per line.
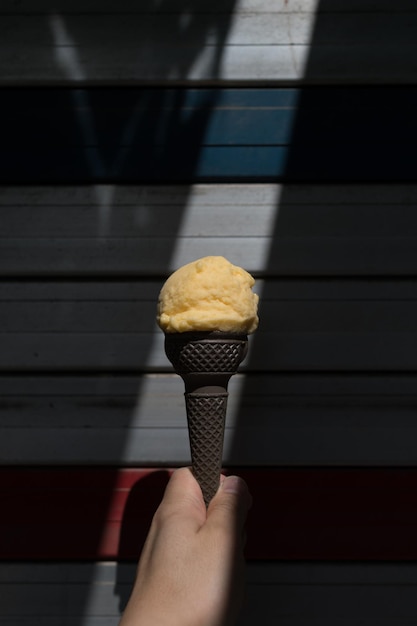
x,y
293,59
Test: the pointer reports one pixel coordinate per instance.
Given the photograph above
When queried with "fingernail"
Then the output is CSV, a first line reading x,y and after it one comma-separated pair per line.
x,y
233,484
237,486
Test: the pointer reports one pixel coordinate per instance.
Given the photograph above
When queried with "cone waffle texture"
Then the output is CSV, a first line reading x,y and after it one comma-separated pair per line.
x,y
206,361
205,352
206,420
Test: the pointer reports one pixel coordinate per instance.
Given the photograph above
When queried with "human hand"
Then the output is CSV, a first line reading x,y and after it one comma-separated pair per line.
x,y
191,569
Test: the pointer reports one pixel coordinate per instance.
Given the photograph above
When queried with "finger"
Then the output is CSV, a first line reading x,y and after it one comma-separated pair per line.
x,y
183,498
230,505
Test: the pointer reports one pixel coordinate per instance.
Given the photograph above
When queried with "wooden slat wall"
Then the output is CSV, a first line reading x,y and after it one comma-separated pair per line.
x,y
305,419
276,231
136,138
291,594
357,42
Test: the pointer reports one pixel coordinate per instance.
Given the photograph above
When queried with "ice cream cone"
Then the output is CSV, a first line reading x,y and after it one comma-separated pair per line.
x,y
206,309
206,361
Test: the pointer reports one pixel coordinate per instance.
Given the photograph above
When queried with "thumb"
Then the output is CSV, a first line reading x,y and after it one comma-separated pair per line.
x,y
183,498
230,505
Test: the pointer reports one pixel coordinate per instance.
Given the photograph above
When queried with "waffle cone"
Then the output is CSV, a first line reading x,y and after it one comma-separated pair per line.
x,y
206,362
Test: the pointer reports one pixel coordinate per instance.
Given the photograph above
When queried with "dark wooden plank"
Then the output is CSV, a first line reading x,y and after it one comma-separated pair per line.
x,y
145,118
354,420
293,594
140,256
144,30
247,218
289,573
273,592
204,6
132,135
209,211
271,230
87,326
59,165
260,42
322,514
295,352
315,390
285,306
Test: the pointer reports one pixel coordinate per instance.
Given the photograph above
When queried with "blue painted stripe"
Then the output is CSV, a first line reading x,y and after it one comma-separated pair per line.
x,y
133,135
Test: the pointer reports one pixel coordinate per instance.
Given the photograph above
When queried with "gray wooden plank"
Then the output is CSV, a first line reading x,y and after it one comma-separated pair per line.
x,y
339,602
106,310
203,6
248,47
295,351
345,221
201,195
365,64
98,66
135,220
76,620
106,326
293,594
270,229
268,618
288,389
156,400
144,195
257,573
303,419
385,439
146,31
128,291
296,306
151,256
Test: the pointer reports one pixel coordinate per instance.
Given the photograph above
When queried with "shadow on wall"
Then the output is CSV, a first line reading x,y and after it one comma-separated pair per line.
x,y
103,148
328,230
144,498
342,228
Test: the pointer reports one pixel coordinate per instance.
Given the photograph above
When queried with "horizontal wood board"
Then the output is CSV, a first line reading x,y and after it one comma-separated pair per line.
x,y
68,7
272,420
293,594
316,326
233,27
319,134
333,514
229,41
112,231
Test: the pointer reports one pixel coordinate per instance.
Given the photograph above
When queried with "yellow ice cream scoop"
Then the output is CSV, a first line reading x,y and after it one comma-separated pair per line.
x,y
209,294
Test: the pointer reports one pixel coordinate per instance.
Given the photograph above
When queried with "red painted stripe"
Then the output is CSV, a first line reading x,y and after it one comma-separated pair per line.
x,y
327,514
